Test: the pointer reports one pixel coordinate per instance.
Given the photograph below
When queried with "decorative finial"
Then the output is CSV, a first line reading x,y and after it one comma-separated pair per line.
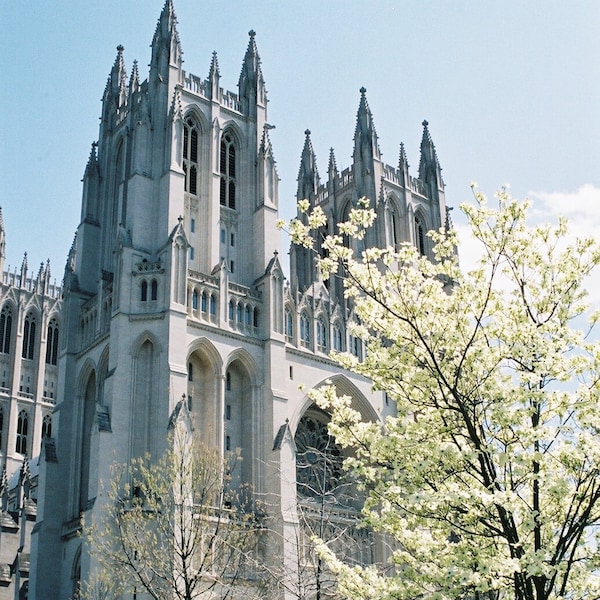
x,y
120,48
425,123
252,33
307,132
363,90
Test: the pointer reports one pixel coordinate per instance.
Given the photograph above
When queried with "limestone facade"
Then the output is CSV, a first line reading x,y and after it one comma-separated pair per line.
x,y
174,289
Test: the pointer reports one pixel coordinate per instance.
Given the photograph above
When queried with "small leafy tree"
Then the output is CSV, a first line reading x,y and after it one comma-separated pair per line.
x,y
488,478
174,528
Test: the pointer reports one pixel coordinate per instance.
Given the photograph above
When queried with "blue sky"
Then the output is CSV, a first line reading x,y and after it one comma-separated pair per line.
x,y
511,91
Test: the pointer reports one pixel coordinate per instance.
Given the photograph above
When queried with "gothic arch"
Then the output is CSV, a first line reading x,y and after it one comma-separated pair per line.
x,y
144,337
421,227
146,415
88,386
205,390
243,357
207,349
235,131
85,372
344,386
242,414
193,112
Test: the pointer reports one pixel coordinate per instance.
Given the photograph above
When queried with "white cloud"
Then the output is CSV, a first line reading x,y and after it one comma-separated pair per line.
x,y
581,208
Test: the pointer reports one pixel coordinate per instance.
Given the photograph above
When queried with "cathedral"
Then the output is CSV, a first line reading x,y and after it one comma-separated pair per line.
x,y
174,291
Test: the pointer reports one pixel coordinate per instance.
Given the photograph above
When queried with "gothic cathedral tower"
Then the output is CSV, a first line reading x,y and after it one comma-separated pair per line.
x,y
173,292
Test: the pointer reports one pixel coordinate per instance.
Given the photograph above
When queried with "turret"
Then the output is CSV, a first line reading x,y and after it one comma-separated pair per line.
x,y
308,175
114,99
24,270
332,172
166,47
214,77
403,166
429,166
252,91
91,186
366,156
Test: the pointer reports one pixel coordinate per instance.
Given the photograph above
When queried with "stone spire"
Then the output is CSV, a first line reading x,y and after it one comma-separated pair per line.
x,y
366,146
332,169
214,76
118,77
166,47
403,165
134,80
91,183
251,83
308,175
24,270
429,165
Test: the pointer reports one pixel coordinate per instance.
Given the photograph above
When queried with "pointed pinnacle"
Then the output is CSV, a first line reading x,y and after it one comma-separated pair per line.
x,y
214,66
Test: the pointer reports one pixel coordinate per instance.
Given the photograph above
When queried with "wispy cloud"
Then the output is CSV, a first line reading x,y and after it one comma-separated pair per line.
x,y
581,208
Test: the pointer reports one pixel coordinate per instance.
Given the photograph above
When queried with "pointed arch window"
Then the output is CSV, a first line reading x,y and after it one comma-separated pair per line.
x,y
22,432
153,289
203,302
228,171
144,291
195,299
420,235
321,336
304,330
28,337
289,325
52,343
231,310
5,329
190,156
47,427
337,339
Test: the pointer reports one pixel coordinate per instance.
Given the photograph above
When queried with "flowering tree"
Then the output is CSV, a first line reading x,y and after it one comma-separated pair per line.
x,y
488,478
174,528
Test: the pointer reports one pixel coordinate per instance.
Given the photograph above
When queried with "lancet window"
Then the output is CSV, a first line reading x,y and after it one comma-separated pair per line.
x,y
5,329
190,156
228,171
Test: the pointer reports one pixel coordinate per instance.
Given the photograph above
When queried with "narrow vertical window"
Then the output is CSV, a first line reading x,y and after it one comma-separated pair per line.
x,y
22,430
52,343
212,305
227,159
47,427
190,156
154,290
5,329
231,315
28,337
190,372
144,291
195,299
289,325
420,235
192,225
304,330
321,336
203,303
